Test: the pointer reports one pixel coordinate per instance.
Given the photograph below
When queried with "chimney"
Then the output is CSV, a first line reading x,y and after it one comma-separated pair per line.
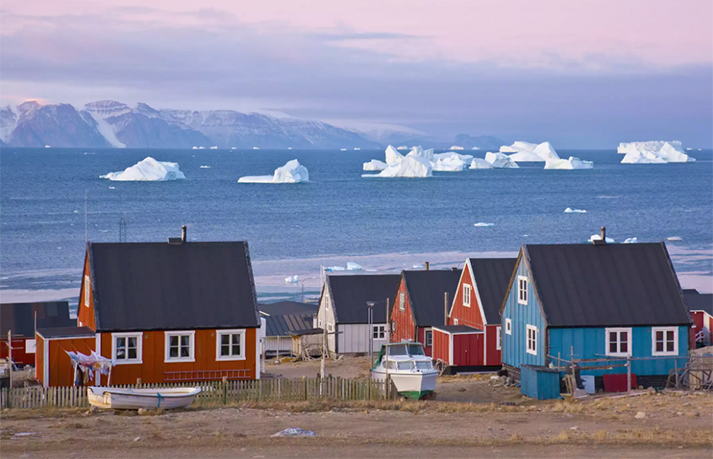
x,y
183,234
177,240
427,265
603,236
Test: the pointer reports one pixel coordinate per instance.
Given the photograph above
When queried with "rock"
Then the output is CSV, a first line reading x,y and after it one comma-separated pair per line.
x,y
137,438
462,389
640,415
679,413
294,432
693,414
574,428
142,411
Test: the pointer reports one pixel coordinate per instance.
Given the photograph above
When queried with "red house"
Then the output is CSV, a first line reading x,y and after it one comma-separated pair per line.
x,y
20,320
701,307
420,305
471,339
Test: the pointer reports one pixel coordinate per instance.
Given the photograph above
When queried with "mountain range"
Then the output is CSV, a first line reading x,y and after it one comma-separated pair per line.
x,y
107,123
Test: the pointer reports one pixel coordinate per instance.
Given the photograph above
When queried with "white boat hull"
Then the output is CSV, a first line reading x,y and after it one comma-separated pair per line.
x,y
133,399
413,385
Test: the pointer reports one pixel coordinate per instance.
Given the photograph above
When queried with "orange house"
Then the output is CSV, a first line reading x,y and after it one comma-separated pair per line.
x,y
164,312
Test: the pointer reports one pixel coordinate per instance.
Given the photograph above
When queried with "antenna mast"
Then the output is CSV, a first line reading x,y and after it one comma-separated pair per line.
x,y
85,217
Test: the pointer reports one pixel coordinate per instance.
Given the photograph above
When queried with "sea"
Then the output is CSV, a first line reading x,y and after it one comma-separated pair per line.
x,y
52,200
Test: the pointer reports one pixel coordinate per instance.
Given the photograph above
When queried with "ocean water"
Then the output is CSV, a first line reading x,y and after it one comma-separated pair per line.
x,y
385,224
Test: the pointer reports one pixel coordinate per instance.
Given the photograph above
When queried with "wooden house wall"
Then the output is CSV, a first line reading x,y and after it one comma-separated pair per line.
x,y
19,356
325,316
404,325
59,365
466,315
493,356
354,338
441,346
468,349
85,315
39,359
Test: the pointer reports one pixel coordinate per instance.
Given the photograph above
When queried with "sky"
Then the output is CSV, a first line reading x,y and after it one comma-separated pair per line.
x,y
578,73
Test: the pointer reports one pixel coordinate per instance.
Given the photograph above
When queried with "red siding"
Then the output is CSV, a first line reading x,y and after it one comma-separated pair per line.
x,y
428,350
18,351
85,315
468,349
470,316
493,355
441,346
404,326
60,369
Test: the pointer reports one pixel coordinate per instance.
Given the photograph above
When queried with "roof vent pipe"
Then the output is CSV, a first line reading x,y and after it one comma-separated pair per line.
x,y
183,234
427,265
604,234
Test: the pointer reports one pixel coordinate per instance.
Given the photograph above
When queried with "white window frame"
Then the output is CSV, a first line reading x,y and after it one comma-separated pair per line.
x,y
664,330
618,331
402,301
379,329
522,292
87,291
218,344
498,338
466,295
531,350
426,334
139,348
192,346
455,321
508,326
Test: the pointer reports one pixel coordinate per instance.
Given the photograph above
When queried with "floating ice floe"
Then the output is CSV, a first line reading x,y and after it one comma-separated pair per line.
x,y
598,237
475,148
357,148
674,238
205,167
653,152
112,188
233,148
409,167
291,172
148,169
456,147
375,165
256,148
568,164
292,279
493,160
480,163
530,152
47,146
201,148
351,266
631,240
480,224
342,149
451,163
194,147
214,147
569,210
419,152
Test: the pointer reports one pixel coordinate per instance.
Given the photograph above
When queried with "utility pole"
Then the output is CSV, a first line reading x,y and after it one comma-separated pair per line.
x,y
9,358
445,308
387,335
85,217
324,351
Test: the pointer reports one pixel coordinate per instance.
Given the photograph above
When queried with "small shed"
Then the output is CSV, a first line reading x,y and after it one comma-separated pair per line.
x,y
460,346
54,366
280,320
307,343
541,383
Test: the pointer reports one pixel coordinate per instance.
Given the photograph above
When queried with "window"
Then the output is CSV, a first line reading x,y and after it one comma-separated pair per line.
x,y
379,331
618,342
320,323
508,327
179,346
393,327
498,339
522,289
330,328
87,290
455,321
230,345
402,301
531,339
429,338
466,295
664,340
126,348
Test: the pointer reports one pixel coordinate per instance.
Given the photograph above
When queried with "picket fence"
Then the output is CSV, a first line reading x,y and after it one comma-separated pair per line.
x,y
212,393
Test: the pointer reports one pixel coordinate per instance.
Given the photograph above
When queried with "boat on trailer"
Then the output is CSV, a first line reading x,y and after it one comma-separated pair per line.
x,y
133,399
409,368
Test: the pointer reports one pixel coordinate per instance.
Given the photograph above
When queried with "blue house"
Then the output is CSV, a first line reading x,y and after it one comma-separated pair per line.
x,y
596,301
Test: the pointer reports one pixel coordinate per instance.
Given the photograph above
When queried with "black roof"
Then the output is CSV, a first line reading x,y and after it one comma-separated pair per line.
x,y
350,294
20,317
287,307
66,332
283,324
308,331
458,329
587,285
699,301
426,294
161,286
492,278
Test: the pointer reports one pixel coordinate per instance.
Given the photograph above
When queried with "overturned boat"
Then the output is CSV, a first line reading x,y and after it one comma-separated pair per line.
x,y
133,399
408,367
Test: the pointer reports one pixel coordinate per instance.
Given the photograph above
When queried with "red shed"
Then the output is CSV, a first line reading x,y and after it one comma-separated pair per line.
x,y
19,320
701,307
459,345
420,305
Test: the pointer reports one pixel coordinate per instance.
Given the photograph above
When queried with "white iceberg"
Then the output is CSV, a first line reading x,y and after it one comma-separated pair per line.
x,y
568,164
653,152
392,155
402,147
480,224
148,170
256,148
480,163
292,279
214,147
449,164
351,266
419,152
375,165
47,146
233,148
195,148
674,238
500,161
569,210
598,237
409,167
201,148
631,240
475,148
342,149
357,148
452,154
205,167
335,268
530,152
456,147
291,172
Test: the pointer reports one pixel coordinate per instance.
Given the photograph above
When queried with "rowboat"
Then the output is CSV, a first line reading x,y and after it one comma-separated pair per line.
x,y
133,399
409,368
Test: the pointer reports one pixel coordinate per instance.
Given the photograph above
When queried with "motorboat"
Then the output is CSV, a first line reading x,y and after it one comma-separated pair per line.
x,y
408,367
133,399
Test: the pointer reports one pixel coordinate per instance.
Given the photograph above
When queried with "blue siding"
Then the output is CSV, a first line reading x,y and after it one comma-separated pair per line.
x,y
589,343
515,345
537,382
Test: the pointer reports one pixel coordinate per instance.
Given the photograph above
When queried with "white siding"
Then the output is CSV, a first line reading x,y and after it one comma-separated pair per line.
x,y
278,343
354,338
326,316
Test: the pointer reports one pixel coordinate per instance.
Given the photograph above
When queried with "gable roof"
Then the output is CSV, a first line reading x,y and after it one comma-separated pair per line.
x,y
285,324
160,286
66,332
287,307
350,294
698,301
20,317
426,294
491,277
587,285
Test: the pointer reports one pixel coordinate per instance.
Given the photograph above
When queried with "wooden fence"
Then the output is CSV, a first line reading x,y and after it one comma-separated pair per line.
x,y
213,393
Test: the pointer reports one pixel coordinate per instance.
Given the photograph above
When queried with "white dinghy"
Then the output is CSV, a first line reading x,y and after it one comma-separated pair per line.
x,y
133,399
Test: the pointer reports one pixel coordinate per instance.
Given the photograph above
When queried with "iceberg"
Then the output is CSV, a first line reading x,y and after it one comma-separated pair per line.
x,y
500,161
342,149
475,148
530,152
357,148
409,167
256,148
480,163
653,152
292,279
480,224
375,165
351,266
393,156
419,152
205,167
598,237
450,164
631,240
402,147
452,154
195,148
569,210
233,148
291,172
201,148
456,147
568,164
674,238
214,147
148,169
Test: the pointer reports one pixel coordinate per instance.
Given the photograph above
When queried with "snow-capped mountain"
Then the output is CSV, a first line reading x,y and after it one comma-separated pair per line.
x,y
114,124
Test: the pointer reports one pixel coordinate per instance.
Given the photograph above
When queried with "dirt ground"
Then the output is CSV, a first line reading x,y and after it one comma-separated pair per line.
x,y
500,423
